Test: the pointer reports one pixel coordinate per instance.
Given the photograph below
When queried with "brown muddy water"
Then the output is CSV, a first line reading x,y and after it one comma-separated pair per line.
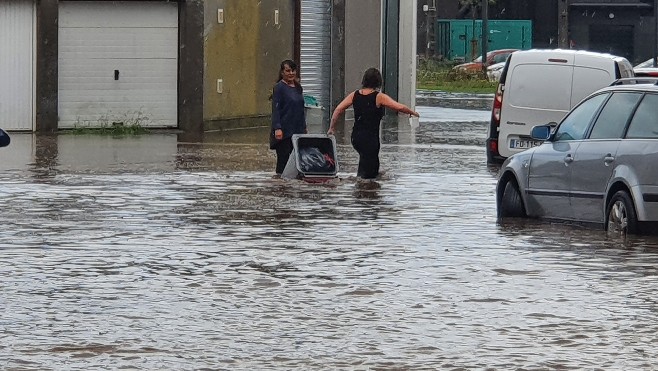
x,y
160,252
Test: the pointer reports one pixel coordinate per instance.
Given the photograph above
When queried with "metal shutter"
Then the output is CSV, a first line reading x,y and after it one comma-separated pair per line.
x,y
315,53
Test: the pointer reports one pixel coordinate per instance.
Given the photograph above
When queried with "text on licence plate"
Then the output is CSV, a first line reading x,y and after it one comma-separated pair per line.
x,y
523,143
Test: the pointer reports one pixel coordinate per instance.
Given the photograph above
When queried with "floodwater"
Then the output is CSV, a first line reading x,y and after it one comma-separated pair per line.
x,y
163,252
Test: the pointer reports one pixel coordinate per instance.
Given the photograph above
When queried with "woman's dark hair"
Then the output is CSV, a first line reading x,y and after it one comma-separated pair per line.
x,y
372,79
293,66
288,62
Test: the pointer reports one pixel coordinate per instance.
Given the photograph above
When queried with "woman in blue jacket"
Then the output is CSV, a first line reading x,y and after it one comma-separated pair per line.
x,y
288,116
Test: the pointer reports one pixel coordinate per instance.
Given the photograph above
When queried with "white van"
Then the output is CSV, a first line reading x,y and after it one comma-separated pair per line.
x,y
540,86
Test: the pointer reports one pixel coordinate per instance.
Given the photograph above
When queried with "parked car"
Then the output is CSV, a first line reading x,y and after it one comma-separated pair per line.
x,y
646,69
494,71
540,86
493,57
597,166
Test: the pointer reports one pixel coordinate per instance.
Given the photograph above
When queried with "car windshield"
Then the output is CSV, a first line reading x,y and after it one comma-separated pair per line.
x,y
647,63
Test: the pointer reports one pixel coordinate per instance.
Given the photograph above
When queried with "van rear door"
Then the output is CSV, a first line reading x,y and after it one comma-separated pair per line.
x,y
537,91
587,80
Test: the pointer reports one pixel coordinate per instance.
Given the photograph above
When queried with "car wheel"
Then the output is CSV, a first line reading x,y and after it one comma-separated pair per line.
x,y
621,214
511,204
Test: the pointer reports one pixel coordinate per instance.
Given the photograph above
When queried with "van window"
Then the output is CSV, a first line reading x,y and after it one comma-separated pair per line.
x,y
540,86
588,80
613,118
643,124
574,126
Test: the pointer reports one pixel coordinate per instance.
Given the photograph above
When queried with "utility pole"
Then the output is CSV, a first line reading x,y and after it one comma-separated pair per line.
x,y
430,28
655,33
428,20
563,24
485,34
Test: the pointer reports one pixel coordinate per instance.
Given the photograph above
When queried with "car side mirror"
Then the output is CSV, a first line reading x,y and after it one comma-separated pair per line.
x,y
4,138
541,132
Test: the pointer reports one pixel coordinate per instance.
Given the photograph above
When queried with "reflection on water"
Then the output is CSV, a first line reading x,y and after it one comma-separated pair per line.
x,y
163,252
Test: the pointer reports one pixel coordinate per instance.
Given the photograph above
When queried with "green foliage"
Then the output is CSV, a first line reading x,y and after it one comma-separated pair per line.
x,y
437,75
128,125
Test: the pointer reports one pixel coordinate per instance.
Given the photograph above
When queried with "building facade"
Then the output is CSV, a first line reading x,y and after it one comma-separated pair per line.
x,y
194,65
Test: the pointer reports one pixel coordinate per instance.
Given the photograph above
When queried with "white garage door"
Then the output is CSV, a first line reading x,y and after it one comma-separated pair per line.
x,y
118,63
16,64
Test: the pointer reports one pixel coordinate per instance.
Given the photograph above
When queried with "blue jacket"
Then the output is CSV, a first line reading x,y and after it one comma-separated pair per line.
x,y
288,109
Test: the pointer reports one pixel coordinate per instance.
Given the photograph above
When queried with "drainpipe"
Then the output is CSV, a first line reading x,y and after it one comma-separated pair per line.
x,y
391,47
337,89
297,49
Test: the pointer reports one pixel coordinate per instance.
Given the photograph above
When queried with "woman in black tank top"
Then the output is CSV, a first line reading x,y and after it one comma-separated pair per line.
x,y
369,105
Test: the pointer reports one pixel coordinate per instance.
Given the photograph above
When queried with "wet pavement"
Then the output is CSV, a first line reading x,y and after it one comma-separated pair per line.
x,y
162,252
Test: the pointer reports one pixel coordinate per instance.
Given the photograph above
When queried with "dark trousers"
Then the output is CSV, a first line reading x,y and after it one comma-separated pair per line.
x,y
367,145
283,151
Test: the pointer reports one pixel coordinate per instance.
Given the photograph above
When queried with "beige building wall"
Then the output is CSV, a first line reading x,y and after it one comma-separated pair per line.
x,y
244,44
363,39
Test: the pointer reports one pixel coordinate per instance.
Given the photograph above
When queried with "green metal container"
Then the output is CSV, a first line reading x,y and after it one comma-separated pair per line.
x,y
461,39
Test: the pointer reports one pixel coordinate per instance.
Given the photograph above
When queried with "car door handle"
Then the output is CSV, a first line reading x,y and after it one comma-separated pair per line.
x,y
568,159
608,159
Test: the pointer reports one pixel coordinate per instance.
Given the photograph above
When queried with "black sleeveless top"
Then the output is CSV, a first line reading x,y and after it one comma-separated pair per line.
x,y
367,116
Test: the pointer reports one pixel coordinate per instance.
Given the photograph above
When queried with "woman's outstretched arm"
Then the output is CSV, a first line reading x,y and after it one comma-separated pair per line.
x,y
386,101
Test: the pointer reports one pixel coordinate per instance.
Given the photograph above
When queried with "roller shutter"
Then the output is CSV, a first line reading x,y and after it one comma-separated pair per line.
x,y
315,53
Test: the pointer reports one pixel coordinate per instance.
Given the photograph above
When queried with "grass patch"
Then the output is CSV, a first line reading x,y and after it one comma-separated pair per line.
x,y
124,126
111,130
436,75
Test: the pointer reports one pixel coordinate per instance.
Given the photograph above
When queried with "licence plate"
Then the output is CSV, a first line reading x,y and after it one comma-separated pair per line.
x,y
523,143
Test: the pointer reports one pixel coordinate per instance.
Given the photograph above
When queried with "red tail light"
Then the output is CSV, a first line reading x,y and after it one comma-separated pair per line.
x,y
493,146
497,105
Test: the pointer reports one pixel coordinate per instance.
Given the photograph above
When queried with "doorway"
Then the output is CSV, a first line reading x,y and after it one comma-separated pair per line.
x,y
613,39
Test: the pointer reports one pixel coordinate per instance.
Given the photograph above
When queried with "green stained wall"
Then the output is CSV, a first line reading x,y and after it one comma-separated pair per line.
x,y
245,52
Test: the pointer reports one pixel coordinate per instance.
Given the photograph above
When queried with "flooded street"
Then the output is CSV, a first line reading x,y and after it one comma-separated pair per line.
x,y
161,252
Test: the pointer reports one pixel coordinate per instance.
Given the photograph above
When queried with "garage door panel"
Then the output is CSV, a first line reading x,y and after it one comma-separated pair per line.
x,y
145,90
84,14
145,72
16,64
127,42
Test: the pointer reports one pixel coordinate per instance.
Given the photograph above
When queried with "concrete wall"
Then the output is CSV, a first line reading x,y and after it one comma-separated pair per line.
x,y
407,54
46,66
245,52
362,40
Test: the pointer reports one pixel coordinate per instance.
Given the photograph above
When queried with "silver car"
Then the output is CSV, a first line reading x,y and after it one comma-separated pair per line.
x,y
599,165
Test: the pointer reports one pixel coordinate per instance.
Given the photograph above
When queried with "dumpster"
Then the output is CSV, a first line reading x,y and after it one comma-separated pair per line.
x,y
313,158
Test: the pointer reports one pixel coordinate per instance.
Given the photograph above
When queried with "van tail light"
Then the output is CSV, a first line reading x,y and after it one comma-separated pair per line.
x,y
494,125
497,105
493,146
